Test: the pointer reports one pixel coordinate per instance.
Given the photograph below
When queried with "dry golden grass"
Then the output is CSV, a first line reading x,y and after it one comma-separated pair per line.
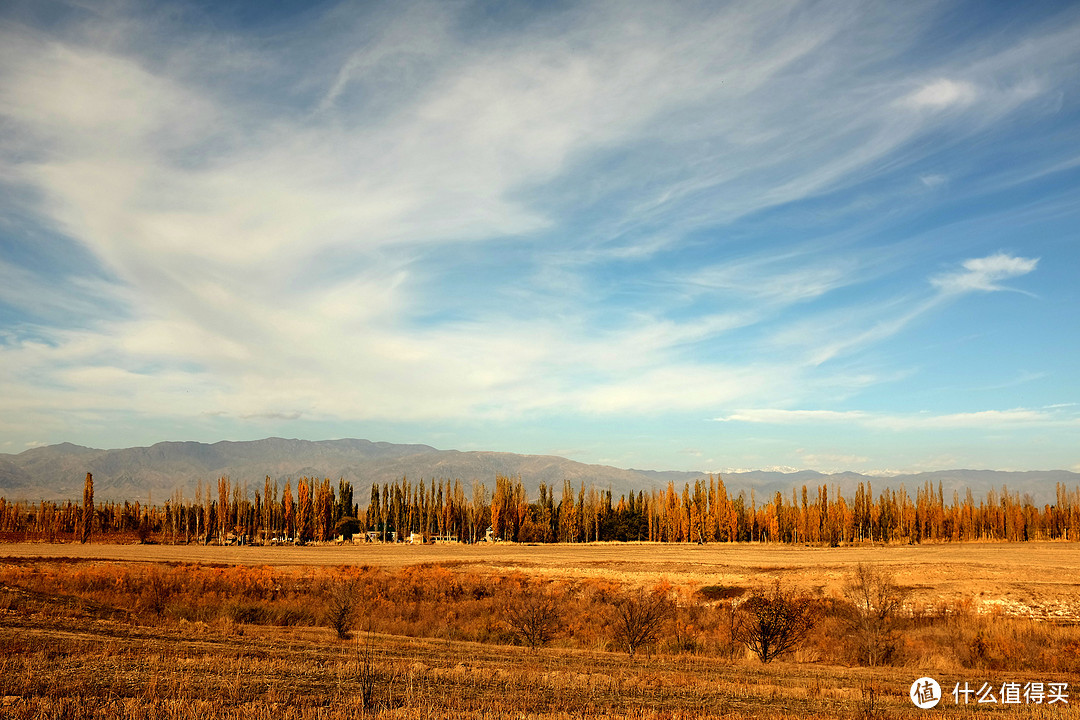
x,y
138,638
104,669
1040,579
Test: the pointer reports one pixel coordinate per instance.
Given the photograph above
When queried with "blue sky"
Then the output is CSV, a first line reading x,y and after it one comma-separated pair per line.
x,y
708,236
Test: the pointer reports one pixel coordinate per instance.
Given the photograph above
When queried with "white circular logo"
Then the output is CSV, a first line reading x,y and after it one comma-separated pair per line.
x,y
925,693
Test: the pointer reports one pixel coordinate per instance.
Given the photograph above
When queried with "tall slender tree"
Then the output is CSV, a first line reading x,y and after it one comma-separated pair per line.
x,y
88,507
223,507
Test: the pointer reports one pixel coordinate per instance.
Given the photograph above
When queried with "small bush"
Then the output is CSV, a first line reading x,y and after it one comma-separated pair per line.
x,y
639,618
721,592
290,616
533,616
773,624
341,608
874,601
247,612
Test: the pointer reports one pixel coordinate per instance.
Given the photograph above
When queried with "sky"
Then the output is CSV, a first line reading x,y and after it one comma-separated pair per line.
x,y
685,236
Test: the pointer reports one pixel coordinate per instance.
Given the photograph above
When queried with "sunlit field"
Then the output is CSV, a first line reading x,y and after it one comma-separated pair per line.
x,y
202,631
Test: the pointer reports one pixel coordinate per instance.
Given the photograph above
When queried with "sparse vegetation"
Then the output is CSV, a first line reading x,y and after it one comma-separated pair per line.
x,y
771,624
876,602
640,616
533,615
370,676
185,640
341,607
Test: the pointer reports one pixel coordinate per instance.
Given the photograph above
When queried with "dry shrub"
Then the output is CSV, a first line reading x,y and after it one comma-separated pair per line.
x,y
952,637
771,624
720,592
870,705
341,607
874,605
157,587
433,601
247,612
533,615
639,617
370,675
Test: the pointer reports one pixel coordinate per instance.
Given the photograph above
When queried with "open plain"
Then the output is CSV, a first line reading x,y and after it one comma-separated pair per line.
x,y
83,651
1039,579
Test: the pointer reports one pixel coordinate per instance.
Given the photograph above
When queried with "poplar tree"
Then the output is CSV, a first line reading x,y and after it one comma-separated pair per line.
x,y
88,507
288,509
304,510
223,508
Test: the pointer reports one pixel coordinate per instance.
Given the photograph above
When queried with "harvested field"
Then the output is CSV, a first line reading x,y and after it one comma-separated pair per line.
x,y
101,670
1032,579
185,632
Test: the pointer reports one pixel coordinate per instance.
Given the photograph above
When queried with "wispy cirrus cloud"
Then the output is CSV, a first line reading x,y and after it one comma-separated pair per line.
x,y
983,419
942,93
985,274
778,416
839,333
405,213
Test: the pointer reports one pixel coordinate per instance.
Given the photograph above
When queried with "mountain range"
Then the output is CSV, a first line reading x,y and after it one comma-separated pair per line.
x,y
56,472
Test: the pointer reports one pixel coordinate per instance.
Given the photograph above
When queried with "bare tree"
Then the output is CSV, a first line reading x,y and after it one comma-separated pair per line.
x,y
369,673
87,508
772,624
876,601
341,608
640,618
533,616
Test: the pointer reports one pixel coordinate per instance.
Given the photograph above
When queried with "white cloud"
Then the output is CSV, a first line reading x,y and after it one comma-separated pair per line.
x,y
986,419
775,416
942,93
269,243
984,274
828,336
781,279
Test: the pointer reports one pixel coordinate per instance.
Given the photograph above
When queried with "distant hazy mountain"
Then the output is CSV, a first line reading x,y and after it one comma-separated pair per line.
x,y
56,472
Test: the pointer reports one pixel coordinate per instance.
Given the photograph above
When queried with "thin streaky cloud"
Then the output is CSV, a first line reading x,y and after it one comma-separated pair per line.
x,y
852,330
985,274
427,214
1016,418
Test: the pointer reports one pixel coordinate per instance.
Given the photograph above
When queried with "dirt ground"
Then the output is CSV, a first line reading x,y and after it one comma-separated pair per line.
x,y
1040,579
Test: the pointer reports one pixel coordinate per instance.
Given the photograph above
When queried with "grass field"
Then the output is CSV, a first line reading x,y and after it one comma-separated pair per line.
x,y
86,649
1033,578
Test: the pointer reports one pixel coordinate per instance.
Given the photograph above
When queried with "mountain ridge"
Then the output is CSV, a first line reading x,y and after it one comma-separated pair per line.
x,y
56,472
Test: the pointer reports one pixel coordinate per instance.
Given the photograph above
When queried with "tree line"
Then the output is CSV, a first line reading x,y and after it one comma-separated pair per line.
x,y
319,511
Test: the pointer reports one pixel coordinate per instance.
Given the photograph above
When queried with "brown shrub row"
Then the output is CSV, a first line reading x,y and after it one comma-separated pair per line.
x,y
434,601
